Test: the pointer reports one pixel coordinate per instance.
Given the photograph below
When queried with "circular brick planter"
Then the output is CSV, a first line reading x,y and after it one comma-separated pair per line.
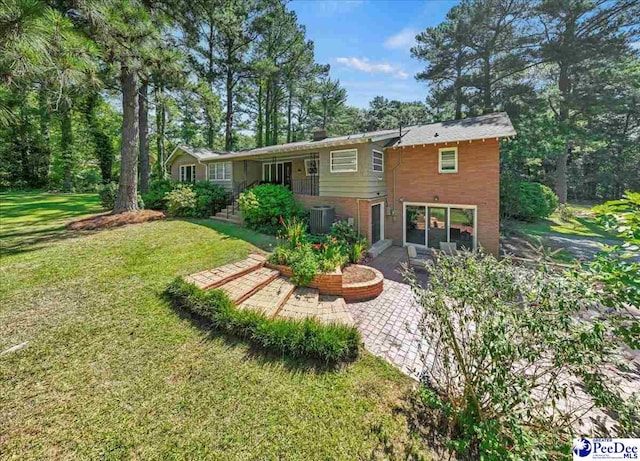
x,y
332,284
363,291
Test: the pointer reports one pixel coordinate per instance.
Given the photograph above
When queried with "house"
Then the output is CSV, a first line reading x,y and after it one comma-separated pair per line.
x,y
420,185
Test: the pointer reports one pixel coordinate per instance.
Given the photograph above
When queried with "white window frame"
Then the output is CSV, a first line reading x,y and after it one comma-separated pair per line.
x,y
448,206
373,161
307,162
382,223
212,171
269,164
342,151
183,174
447,149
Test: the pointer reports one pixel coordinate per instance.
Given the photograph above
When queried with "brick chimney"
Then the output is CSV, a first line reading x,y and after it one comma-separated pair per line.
x,y
319,134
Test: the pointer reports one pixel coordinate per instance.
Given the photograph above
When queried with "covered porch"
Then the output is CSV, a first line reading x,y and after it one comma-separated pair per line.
x,y
298,173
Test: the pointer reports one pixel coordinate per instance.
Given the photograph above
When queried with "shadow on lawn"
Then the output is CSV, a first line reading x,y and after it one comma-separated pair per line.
x,y
263,241
12,243
260,355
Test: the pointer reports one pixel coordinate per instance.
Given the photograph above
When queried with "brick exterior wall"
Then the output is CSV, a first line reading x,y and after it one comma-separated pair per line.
x,y
477,182
346,207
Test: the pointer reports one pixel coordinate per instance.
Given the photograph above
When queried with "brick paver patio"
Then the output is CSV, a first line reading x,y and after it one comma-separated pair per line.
x,y
389,327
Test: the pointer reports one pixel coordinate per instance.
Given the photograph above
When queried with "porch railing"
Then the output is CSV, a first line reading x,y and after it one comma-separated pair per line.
x,y
306,186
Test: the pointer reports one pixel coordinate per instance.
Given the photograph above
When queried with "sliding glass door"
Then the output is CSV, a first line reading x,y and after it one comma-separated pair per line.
x,y
434,225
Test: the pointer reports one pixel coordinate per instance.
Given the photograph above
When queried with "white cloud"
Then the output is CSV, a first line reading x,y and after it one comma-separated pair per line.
x,y
402,40
364,65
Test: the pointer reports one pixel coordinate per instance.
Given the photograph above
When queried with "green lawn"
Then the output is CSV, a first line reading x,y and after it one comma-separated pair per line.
x,y
111,371
584,224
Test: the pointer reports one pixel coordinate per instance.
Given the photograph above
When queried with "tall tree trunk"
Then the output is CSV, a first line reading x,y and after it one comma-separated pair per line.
x,y
267,114
487,100
228,140
274,116
45,120
66,144
260,121
161,117
458,88
127,199
564,86
211,80
143,128
289,114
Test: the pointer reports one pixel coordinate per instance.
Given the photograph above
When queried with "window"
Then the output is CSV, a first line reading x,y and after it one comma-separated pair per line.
x,y
448,162
311,166
343,161
187,173
220,171
378,161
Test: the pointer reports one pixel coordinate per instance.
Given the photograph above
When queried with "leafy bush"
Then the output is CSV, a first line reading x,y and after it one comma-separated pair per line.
x,y
107,194
155,197
307,338
344,233
565,212
181,201
526,201
333,256
264,205
294,231
304,265
512,354
356,251
211,198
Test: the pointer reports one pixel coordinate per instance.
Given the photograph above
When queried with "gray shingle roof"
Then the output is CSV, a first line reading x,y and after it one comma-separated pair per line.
x,y
495,125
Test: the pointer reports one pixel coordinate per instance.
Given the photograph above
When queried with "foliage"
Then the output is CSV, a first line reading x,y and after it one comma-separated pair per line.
x,y
181,201
263,207
616,276
502,336
294,231
210,198
526,201
155,198
307,338
107,194
566,213
344,233
304,265
356,251
333,256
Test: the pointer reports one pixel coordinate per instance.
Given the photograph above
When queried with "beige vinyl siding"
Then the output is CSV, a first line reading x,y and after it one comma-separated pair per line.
x,y
186,159
226,184
364,183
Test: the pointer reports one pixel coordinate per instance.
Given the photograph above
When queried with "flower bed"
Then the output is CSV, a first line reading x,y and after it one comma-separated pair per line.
x,y
362,291
333,283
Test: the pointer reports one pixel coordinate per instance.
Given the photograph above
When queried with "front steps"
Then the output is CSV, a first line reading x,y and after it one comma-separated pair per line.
x,y
378,247
252,286
231,214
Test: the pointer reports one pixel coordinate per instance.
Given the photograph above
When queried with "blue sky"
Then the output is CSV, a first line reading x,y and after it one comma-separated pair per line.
x,y
367,43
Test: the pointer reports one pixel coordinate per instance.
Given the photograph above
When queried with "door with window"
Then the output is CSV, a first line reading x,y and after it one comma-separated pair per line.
x,y
432,226
278,173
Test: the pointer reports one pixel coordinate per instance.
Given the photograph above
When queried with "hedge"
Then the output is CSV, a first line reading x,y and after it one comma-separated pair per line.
x,y
296,338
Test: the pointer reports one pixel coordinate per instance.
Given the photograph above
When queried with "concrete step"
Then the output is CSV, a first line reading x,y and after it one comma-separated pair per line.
x,y
242,288
271,298
333,309
231,219
220,275
378,247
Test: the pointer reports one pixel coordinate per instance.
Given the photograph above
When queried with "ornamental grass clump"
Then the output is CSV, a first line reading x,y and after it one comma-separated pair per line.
x,y
296,338
508,356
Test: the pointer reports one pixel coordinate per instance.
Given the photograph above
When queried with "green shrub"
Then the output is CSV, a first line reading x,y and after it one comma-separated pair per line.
x,y
521,356
356,251
304,265
264,205
526,201
344,233
155,198
281,255
107,194
307,338
181,201
294,231
333,256
210,198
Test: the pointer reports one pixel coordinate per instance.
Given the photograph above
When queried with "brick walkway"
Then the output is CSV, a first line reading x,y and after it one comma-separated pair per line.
x,y
389,327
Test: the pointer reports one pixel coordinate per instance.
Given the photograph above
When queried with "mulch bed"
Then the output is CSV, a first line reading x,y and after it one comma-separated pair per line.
x,y
107,220
357,274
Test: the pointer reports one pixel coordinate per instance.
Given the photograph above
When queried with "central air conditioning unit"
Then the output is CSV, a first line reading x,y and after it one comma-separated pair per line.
x,y
322,217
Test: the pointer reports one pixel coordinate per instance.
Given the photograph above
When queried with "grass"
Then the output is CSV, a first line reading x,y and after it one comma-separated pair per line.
x,y
112,371
584,224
